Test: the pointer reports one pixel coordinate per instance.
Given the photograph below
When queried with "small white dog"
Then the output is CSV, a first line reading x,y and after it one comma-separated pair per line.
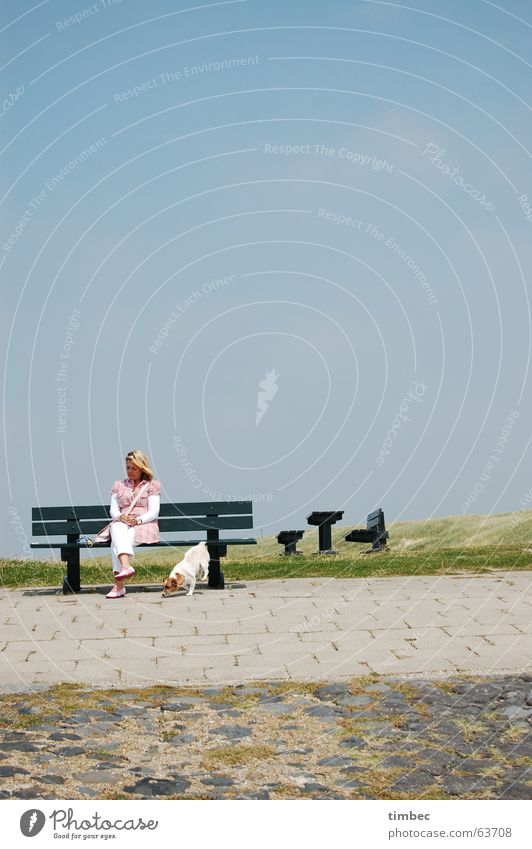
x,y
194,566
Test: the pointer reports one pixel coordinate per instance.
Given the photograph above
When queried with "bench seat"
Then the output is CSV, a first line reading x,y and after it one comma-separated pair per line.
x,y
172,543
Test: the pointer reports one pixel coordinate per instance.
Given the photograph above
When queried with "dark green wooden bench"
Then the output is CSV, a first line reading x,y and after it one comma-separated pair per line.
x,y
208,517
375,532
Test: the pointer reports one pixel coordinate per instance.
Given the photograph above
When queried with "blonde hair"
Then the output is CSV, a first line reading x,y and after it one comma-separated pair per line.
x,y
139,459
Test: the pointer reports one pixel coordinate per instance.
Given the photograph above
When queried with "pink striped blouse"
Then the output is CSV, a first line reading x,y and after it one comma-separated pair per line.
x,y
148,532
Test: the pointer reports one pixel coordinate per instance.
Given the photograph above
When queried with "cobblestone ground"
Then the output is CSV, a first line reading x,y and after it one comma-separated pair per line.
x,y
370,738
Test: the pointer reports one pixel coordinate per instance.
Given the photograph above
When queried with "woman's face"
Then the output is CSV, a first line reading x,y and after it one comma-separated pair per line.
x,y
133,472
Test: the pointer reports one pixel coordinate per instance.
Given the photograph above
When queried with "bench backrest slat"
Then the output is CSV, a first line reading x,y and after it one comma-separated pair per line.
x,y
207,508
185,508
375,520
43,514
166,525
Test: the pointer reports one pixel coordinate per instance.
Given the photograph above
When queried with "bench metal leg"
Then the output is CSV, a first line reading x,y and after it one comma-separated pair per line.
x,y
72,579
216,576
325,539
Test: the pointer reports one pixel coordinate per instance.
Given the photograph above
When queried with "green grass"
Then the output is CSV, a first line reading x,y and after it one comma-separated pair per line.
x,y
449,545
15,573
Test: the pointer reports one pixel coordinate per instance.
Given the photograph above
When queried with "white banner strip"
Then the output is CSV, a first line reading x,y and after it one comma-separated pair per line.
x,y
255,824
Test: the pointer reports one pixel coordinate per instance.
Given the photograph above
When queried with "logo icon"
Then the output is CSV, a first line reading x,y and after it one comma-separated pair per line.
x,y
32,822
268,392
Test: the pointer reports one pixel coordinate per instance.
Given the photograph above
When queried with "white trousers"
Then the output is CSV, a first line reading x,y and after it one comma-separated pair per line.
x,y
122,542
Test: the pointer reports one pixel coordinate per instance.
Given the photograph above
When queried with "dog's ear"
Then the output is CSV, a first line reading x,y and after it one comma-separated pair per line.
x,y
173,582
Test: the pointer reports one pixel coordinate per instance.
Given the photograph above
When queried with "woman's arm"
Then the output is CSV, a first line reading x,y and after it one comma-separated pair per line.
x,y
114,509
154,503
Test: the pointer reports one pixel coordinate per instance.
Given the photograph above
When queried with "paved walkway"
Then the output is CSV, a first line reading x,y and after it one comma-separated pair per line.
x,y
315,629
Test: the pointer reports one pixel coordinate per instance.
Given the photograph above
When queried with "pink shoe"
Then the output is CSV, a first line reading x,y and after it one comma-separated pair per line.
x,y
116,593
125,573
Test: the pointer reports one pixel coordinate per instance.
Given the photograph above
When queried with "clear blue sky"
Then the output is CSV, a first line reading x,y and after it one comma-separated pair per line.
x,y
283,247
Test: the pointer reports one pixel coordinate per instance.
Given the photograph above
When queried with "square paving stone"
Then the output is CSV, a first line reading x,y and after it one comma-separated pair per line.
x,y
396,761
70,751
181,739
513,791
323,711
64,735
52,779
233,732
314,787
351,782
32,792
457,785
335,760
354,701
9,771
353,743
19,747
150,787
95,777
92,792
476,764
331,691
130,711
277,709
414,779
218,781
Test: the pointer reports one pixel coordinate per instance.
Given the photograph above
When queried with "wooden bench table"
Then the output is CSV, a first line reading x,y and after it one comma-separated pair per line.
x,y
290,540
324,519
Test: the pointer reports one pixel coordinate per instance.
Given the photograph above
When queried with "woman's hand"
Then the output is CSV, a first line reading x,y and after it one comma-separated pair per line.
x,y
128,519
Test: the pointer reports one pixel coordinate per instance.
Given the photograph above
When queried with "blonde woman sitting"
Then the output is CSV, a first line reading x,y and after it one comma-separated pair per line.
x,y
132,525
